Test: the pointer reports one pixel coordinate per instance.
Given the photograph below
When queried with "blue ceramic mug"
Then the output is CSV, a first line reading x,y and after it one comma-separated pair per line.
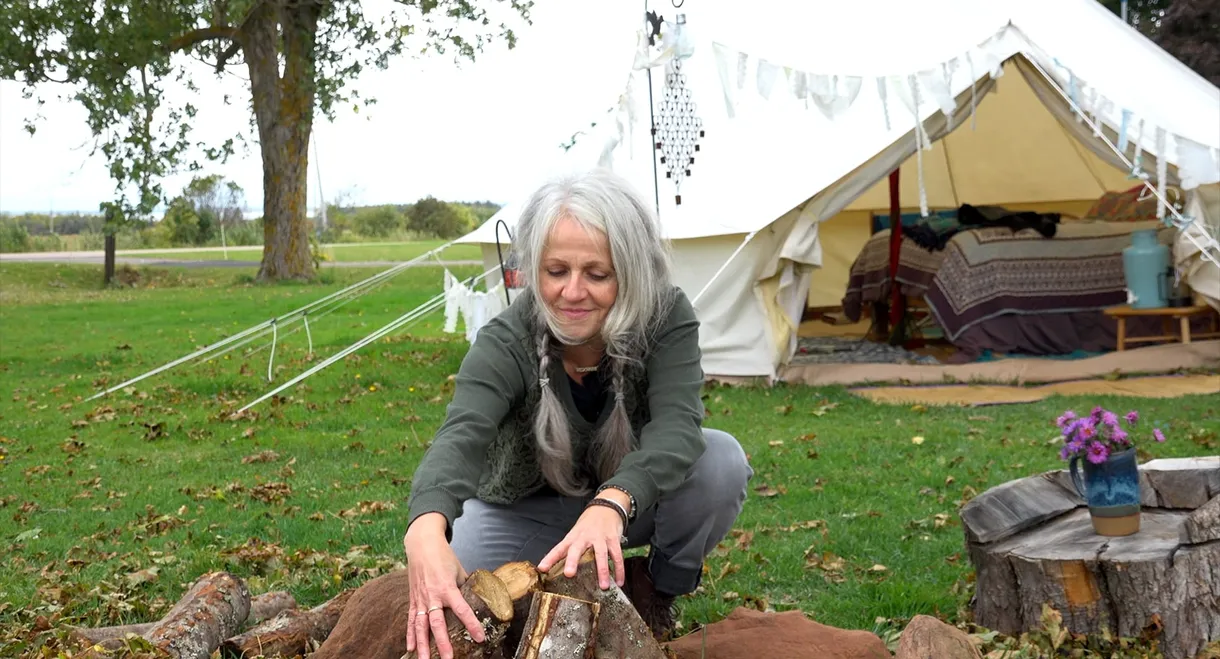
x,y
1112,490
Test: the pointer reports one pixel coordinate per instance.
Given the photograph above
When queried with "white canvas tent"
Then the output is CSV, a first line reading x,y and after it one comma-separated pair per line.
x,y
808,106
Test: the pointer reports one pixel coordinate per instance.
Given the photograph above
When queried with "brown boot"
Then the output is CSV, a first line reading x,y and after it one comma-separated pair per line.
x,y
656,609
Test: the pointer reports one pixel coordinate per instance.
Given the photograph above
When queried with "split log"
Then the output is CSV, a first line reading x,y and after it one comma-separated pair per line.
x,y
621,632
292,632
559,627
489,598
1027,554
262,607
212,610
522,579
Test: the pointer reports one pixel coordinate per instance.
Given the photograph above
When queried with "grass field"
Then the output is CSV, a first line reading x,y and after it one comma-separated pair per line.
x,y
339,252
112,507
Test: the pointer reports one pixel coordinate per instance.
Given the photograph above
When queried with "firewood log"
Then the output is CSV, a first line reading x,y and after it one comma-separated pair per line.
x,y
212,610
288,634
621,632
559,627
522,579
489,598
262,607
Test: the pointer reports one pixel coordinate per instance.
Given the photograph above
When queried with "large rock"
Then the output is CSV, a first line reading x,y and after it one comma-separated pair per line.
x,y
751,634
926,637
374,622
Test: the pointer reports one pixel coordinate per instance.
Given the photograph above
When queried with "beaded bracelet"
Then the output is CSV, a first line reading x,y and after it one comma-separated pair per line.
x,y
631,515
616,508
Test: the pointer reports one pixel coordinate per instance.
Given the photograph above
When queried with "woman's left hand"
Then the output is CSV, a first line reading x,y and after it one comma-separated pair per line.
x,y
598,528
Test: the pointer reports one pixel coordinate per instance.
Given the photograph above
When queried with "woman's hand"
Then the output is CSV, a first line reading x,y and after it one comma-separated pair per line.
x,y
434,573
598,528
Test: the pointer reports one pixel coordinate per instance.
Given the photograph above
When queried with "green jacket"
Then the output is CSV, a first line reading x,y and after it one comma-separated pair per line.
x,y
485,448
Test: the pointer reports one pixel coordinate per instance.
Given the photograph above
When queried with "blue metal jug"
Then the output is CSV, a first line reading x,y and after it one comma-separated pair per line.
x,y
1144,264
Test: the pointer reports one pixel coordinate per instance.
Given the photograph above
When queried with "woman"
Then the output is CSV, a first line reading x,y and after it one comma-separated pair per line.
x,y
576,422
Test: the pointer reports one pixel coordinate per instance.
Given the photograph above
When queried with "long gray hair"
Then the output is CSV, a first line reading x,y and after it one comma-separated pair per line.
x,y
603,201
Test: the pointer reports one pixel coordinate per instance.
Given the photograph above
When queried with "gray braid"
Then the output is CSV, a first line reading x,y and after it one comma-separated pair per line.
x,y
614,439
551,429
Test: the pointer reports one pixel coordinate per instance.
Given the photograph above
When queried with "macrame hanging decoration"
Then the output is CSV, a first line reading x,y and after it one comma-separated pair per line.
x,y
677,128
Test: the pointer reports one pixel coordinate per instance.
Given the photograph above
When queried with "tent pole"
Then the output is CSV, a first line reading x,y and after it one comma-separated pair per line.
x,y
652,124
895,250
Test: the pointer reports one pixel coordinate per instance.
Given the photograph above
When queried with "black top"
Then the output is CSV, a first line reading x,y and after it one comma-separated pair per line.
x,y
590,397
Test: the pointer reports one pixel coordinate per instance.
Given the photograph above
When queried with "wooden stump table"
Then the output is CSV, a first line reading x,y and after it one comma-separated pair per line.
x,y
1032,543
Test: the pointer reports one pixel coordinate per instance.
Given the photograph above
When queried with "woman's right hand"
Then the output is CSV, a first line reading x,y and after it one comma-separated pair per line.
x,y
434,574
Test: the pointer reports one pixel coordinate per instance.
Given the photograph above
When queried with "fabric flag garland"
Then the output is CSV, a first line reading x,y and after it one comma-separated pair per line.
x,y
1162,171
765,78
1124,126
885,103
919,139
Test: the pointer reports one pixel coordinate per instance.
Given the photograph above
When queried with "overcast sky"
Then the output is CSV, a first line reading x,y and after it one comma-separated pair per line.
x,y
484,131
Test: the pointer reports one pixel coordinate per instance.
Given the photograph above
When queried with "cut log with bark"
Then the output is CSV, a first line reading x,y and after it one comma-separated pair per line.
x,y
492,604
559,627
621,632
522,579
214,609
1166,571
262,607
292,632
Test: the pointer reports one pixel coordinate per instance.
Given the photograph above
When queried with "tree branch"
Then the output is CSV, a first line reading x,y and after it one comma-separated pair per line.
x,y
212,33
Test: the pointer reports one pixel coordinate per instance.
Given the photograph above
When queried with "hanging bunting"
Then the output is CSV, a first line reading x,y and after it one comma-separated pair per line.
x,y
973,90
1162,171
765,78
923,193
1136,171
799,86
1124,126
885,103
723,58
1074,94
678,128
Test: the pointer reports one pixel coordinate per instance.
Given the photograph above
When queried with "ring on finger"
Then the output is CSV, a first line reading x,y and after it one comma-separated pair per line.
x,y
421,613
434,608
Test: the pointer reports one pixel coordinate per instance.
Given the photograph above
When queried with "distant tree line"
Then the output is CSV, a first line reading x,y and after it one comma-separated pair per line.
x,y
208,213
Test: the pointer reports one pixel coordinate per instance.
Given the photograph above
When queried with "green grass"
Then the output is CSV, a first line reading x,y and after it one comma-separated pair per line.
x,y
340,252
112,507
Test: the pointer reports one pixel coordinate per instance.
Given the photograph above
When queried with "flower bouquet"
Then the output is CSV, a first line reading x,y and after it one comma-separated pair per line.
x,y
1101,446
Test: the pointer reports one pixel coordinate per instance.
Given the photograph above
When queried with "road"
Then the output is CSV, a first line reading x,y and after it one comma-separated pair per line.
x,y
130,257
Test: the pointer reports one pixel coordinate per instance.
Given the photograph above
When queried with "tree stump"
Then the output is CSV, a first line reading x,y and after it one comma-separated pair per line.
x,y
1032,543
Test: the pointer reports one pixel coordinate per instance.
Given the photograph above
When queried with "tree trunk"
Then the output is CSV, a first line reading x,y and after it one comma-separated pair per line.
x,y
108,267
292,632
1030,547
283,111
559,626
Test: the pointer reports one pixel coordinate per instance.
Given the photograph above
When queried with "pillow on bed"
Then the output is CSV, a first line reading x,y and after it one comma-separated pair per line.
x,y
1125,206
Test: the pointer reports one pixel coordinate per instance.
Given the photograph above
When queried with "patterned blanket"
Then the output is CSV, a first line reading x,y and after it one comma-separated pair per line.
x,y
869,280
988,273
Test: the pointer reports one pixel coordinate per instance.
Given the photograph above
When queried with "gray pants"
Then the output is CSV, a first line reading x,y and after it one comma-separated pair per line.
x,y
682,528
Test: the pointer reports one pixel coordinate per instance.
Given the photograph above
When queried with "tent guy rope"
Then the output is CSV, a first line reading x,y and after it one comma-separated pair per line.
x,y
402,322
254,331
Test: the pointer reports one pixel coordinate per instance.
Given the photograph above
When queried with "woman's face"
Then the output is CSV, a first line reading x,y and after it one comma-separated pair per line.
x,y
577,278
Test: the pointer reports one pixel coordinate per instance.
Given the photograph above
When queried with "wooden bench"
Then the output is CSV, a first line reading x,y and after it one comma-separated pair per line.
x,y
1182,314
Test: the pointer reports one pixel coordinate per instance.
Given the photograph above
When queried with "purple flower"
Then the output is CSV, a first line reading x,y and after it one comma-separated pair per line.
x,y
1110,419
1133,417
1065,453
1076,445
1098,453
1065,419
1158,435
1095,415
1120,436
1087,428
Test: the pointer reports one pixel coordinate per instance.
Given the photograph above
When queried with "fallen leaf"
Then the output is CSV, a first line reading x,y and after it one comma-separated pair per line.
x,y
917,440
777,442
877,568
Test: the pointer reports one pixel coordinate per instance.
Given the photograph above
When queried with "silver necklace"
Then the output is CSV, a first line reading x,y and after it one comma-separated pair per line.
x,y
585,369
